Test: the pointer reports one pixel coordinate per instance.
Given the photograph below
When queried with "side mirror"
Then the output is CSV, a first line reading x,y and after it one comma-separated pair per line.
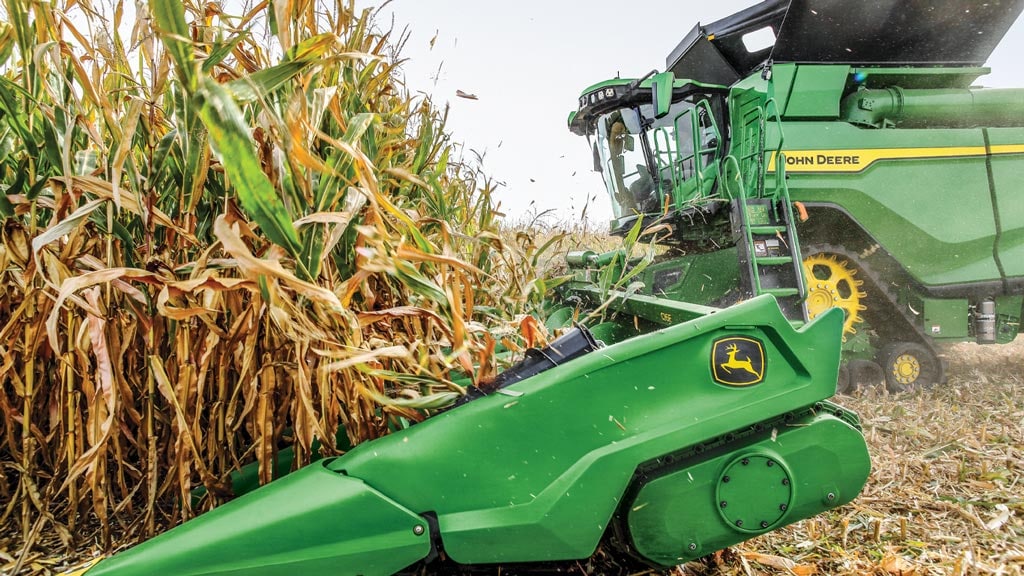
x,y
661,92
597,159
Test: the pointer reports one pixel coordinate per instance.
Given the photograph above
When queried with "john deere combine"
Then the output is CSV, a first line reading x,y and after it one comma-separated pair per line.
x,y
833,155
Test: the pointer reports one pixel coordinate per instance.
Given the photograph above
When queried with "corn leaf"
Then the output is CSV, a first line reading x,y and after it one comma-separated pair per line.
x,y
230,138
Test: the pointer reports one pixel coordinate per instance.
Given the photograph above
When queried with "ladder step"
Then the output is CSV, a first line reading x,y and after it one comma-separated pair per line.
x,y
781,292
773,260
772,230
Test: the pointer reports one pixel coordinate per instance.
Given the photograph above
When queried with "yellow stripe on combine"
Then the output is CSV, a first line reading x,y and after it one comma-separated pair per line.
x,y
858,159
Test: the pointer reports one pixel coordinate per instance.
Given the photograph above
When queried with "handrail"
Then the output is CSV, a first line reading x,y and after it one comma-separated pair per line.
x,y
748,237
778,157
725,173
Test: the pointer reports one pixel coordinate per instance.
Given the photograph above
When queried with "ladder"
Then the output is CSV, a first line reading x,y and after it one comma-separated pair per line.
x,y
763,224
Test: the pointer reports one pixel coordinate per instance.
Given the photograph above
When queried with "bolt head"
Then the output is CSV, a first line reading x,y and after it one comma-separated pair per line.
x,y
783,507
417,530
692,546
723,504
739,523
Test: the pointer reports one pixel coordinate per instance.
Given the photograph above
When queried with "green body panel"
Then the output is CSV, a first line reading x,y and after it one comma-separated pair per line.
x,y
944,319
696,278
903,203
313,521
537,476
1007,178
717,499
670,291
815,91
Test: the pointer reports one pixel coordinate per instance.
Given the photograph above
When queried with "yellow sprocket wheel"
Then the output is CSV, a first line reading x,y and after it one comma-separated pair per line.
x,y
832,283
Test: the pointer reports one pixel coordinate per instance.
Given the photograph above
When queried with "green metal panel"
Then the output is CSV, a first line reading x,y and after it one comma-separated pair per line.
x,y
816,92
313,521
1009,312
923,194
1007,177
945,319
720,498
535,475
781,86
697,278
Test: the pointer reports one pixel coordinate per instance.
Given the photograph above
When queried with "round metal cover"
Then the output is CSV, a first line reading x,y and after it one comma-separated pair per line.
x,y
754,493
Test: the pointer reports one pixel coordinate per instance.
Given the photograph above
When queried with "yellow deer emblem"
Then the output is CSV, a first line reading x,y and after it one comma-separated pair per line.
x,y
738,361
733,363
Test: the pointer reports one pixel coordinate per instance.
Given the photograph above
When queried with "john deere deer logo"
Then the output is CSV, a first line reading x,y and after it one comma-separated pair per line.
x,y
738,361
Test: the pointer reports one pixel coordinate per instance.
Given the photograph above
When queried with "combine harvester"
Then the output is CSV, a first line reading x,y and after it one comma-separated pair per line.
x,y
689,422
832,155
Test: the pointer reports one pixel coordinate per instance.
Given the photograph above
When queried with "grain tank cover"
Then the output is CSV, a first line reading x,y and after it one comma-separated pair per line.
x,y
877,32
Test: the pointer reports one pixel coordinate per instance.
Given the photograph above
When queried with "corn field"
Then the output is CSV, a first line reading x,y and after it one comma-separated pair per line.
x,y
224,234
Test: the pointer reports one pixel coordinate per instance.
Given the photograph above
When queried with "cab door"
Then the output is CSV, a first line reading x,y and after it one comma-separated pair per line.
x,y
686,152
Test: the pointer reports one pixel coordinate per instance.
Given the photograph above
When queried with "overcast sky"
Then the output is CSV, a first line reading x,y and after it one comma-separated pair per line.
x,y
527,61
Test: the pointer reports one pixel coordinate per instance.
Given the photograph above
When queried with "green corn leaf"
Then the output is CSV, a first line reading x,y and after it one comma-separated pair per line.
x,y
6,208
51,146
420,283
309,52
36,188
313,249
6,42
259,84
10,112
230,138
312,48
170,17
331,190
357,126
17,15
222,51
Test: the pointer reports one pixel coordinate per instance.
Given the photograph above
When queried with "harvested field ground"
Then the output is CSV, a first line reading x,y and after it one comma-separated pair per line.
x,y
946,494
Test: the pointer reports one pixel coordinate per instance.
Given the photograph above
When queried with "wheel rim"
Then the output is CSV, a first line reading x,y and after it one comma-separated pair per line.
x,y
831,283
906,369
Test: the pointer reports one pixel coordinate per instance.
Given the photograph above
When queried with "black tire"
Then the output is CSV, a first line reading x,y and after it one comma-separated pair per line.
x,y
909,366
843,383
864,374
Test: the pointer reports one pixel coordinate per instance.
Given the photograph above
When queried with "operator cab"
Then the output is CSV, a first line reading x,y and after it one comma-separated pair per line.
x,y
657,144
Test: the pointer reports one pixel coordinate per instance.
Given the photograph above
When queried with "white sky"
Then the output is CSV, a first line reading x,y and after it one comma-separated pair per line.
x,y
528,61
